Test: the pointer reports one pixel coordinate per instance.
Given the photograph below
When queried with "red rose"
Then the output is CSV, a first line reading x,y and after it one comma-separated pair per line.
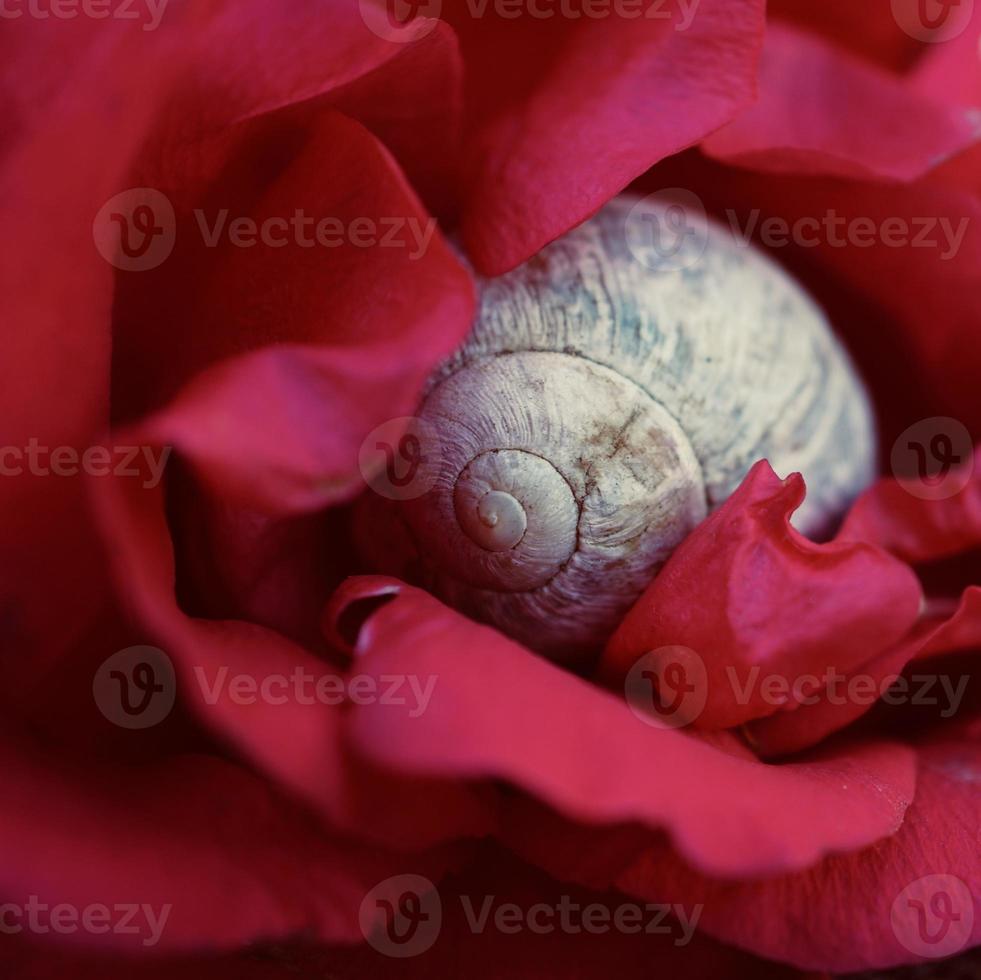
x,y
223,270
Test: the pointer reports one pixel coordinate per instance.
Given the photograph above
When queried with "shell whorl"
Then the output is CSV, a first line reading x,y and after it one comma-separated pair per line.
x,y
598,411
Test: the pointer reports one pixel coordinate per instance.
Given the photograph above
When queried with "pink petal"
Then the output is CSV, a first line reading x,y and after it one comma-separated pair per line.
x,y
585,106
823,111
914,529
498,711
756,600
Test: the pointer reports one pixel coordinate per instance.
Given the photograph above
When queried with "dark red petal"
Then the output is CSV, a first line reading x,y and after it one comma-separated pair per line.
x,y
791,732
755,600
249,58
823,111
585,106
294,735
234,861
868,29
213,299
539,949
57,299
499,711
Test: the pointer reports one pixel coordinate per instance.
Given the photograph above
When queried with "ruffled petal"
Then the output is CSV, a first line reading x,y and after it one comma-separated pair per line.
x,y
759,605
499,711
858,691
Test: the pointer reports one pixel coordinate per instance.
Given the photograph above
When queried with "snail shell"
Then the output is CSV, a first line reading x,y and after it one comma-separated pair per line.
x,y
601,407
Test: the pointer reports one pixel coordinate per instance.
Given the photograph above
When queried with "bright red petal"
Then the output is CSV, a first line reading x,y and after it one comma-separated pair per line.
x,y
499,711
755,600
586,105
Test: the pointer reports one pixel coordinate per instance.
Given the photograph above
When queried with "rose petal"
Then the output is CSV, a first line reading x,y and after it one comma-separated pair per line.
x,y
755,600
540,947
868,29
913,529
499,711
789,732
848,902
208,302
283,726
823,111
57,298
249,59
233,861
586,105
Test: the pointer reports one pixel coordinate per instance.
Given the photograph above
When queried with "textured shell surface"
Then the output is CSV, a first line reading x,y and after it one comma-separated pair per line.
x,y
604,403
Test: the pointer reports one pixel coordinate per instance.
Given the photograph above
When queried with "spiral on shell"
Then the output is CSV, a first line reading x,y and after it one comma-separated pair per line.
x,y
601,407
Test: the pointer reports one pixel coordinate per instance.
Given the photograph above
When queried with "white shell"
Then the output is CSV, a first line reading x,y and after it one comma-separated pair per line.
x,y
598,411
